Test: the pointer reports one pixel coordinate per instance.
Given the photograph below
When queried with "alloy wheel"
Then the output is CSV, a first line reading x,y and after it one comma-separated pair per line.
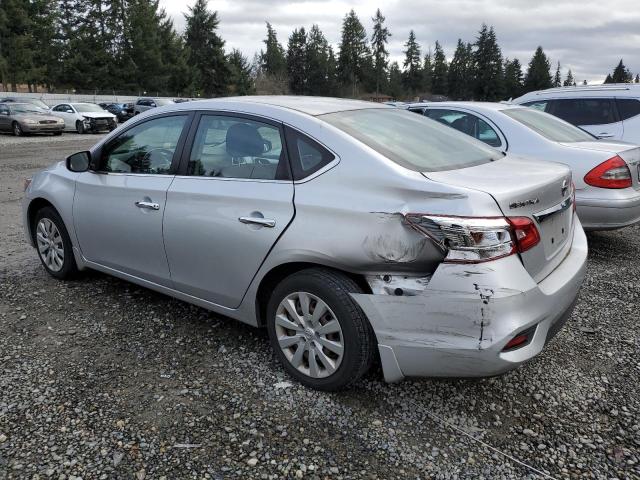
x,y
309,334
50,245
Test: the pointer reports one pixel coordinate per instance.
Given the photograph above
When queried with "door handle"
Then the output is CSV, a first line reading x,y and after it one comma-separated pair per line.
x,y
605,135
149,205
264,222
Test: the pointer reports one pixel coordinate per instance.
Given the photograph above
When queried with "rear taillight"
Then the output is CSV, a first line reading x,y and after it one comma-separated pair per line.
x,y
614,173
476,239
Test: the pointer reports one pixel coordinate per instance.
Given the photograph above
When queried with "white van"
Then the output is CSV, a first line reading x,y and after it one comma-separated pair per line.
x,y
606,111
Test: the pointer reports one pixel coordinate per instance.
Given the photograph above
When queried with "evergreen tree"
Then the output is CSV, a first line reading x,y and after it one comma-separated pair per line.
x,y
637,78
240,81
320,64
174,59
488,71
608,79
354,53
460,72
16,41
584,82
380,55
569,81
396,90
513,79
538,75
273,58
206,50
557,78
427,72
412,77
296,61
440,69
621,74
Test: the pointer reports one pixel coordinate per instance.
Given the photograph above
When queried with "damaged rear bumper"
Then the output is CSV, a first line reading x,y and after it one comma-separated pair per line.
x,y
460,323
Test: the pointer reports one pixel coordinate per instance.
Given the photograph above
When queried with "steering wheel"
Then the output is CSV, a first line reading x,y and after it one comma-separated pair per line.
x,y
162,161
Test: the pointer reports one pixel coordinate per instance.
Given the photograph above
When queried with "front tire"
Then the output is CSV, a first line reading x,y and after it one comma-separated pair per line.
x,y
17,129
319,333
80,127
53,244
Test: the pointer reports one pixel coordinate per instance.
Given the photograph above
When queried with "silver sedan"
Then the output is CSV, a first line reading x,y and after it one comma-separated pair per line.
x,y
606,173
350,230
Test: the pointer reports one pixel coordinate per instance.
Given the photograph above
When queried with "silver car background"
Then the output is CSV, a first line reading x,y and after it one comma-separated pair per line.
x,y
344,227
26,118
606,172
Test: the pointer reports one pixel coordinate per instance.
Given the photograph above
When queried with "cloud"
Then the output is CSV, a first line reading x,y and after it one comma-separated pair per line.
x,y
587,36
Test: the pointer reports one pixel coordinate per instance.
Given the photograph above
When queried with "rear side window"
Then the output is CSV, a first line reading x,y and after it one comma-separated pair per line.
x,y
548,126
538,105
307,156
585,111
628,107
413,141
466,123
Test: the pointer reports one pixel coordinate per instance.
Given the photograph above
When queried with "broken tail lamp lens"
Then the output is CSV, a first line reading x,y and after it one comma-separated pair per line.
x,y
476,239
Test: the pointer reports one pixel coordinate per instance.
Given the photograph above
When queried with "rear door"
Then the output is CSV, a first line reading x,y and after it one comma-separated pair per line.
x,y
228,206
597,116
5,117
629,111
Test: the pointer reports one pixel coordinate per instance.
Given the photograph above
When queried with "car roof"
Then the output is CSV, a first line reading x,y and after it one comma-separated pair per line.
x,y
608,90
496,106
309,105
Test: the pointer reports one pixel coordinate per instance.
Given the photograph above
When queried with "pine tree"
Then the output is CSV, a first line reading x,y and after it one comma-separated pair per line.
x,y
179,74
320,64
412,77
16,41
488,71
439,77
584,82
206,50
396,90
538,75
621,74
380,55
273,58
354,53
296,61
240,81
427,72
557,78
569,81
637,78
513,79
460,72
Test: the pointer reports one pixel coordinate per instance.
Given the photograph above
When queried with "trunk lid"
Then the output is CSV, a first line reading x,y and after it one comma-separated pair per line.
x,y
525,188
629,152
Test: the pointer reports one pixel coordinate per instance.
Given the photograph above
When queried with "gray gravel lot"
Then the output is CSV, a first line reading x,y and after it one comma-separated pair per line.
x,y
100,378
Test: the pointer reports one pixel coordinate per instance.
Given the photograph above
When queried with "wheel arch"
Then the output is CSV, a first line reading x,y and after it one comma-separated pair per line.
x,y
280,272
34,207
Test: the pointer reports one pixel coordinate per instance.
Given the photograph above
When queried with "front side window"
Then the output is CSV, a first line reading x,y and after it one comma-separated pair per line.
x,y
466,123
628,107
548,126
413,141
234,147
585,111
62,108
146,148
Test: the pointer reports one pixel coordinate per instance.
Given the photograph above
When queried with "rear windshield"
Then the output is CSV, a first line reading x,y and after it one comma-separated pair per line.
x,y
413,141
548,126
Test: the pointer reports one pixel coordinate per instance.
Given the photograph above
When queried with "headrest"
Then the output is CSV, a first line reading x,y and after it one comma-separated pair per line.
x,y
244,140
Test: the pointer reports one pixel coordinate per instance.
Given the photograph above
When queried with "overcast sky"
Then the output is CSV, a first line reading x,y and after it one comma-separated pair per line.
x,y
588,36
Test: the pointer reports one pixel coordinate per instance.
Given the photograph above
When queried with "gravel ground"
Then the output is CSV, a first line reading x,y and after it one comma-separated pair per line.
x,y
100,378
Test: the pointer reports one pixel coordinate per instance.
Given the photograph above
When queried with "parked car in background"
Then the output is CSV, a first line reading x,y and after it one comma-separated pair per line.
x,y
122,111
85,117
610,111
26,118
606,173
241,215
33,101
144,104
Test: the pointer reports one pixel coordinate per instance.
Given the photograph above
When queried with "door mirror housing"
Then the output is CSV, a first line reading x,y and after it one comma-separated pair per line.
x,y
79,162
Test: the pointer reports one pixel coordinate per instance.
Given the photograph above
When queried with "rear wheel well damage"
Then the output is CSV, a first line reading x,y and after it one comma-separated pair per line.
x,y
35,206
279,273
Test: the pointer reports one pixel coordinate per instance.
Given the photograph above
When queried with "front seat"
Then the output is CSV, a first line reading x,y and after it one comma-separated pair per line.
x,y
464,125
244,140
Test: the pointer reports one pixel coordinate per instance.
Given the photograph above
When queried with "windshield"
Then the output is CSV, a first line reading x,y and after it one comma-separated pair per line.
x,y
87,107
26,108
548,126
411,140
163,101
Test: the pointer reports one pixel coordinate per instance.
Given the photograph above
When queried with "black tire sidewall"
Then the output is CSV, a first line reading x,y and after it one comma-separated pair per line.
x,y
343,306
17,132
79,127
69,267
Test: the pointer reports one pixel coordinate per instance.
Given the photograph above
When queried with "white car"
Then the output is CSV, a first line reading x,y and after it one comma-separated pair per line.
x,y
85,117
606,173
609,111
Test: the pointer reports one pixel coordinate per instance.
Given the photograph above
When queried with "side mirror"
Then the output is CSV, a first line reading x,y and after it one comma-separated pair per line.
x,y
79,162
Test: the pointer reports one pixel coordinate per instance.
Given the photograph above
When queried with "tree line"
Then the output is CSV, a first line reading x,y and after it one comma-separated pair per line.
x,y
132,46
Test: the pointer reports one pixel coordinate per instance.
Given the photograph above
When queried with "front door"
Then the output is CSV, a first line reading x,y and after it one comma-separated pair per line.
x,y
118,208
229,206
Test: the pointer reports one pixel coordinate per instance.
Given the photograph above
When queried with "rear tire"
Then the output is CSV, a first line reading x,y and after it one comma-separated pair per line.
x,y
53,244
331,351
17,129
